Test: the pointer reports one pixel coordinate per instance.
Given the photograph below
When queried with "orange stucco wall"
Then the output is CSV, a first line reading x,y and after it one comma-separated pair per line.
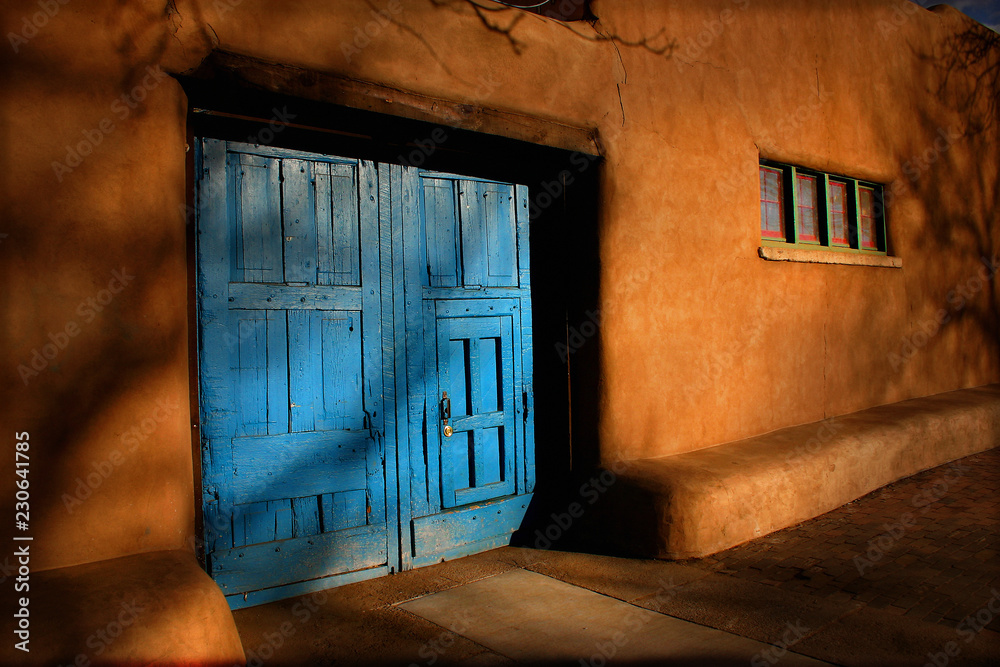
x,y
702,341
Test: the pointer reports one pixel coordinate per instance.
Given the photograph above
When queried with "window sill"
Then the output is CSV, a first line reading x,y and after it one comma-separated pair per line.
x,y
773,254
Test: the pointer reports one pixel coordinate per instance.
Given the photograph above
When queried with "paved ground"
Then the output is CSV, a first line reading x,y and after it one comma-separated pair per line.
x,y
927,547
924,594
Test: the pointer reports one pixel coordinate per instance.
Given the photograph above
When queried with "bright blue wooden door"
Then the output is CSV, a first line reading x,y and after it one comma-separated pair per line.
x,y
294,472
338,301
468,316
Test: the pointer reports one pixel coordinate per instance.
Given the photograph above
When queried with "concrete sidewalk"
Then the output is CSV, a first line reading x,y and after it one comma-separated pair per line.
x,y
527,606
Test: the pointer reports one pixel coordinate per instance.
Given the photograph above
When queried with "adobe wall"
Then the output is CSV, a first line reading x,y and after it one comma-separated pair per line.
x,y
702,341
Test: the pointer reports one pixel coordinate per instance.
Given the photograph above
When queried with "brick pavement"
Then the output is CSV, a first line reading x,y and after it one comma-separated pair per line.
x,y
927,547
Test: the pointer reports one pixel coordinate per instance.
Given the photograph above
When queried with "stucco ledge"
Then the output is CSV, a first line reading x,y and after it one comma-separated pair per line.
x,y
827,257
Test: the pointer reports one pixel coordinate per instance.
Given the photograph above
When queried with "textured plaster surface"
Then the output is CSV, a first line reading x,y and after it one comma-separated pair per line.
x,y
150,609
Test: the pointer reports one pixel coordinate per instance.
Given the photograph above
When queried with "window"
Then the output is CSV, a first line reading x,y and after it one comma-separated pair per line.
x,y
772,204
803,207
866,199
838,214
806,204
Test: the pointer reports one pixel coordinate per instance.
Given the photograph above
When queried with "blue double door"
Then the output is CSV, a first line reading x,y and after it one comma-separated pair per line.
x,y
364,358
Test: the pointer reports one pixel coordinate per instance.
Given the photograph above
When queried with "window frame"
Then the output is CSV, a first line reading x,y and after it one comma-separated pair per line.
x,y
835,242
783,206
798,174
825,241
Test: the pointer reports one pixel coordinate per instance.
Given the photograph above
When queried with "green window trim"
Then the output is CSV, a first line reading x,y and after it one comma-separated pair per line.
x,y
846,214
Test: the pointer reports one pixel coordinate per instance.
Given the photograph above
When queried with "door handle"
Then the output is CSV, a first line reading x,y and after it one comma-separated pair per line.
x,y
446,415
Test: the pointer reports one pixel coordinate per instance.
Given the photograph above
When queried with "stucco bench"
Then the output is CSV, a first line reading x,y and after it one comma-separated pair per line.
x,y
698,503
155,608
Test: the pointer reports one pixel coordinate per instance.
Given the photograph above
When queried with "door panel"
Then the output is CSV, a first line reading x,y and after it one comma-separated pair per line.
x,y
440,247
476,369
489,236
467,287
290,352
467,529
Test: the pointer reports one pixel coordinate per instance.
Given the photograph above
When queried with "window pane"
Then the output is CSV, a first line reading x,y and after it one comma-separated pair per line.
x,y
772,218
866,207
808,218
838,215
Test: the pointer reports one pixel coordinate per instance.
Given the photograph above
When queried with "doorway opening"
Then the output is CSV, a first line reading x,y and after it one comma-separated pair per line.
x,y
392,157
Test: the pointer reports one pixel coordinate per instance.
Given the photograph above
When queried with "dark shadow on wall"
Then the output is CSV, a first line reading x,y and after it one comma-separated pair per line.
x,y
71,251
950,188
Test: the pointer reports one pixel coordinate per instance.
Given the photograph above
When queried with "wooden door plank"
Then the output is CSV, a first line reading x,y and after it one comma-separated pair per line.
x,y
299,475
345,509
346,266
457,452
462,293
445,532
277,373
274,445
473,233
214,253
384,215
265,521
372,387
522,213
215,340
324,214
490,444
493,419
341,364
476,308
441,233
251,372
414,273
252,296
258,201
523,371
299,218
490,398
305,516
447,375
260,566
474,383
282,153
394,348
400,205
432,420
507,378
304,375
501,236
